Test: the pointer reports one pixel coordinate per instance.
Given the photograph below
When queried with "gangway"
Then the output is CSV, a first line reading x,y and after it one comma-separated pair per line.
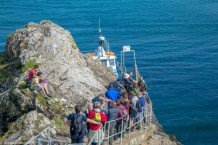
x,y
126,49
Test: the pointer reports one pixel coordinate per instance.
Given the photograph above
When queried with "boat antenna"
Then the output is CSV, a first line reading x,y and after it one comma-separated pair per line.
x,y
99,27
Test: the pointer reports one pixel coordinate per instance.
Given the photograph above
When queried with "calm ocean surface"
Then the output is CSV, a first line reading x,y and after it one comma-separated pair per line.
x,y
176,42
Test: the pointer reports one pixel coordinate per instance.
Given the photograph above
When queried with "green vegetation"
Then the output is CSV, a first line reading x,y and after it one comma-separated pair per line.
x,y
41,99
30,64
5,73
22,86
14,127
58,122
74,46
37,122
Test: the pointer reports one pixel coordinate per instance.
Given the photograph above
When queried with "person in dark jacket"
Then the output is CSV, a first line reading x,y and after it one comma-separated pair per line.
x,y
112,115
127,82
122,116
78,136
142,85
111,93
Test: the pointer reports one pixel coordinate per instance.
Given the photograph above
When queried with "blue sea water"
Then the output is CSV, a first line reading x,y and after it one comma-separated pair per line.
x,y
176,43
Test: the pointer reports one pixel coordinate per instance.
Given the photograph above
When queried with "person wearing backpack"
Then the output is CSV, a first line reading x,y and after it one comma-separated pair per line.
x,y
77,127
142,85
123,117
141,111
99,116
134,108
112,115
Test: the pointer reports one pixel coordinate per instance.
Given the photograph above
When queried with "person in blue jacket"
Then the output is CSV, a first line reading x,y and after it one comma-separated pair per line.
x,y
111,93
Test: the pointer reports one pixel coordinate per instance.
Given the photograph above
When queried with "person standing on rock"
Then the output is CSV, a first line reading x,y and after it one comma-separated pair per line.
x,y
35,85
76,122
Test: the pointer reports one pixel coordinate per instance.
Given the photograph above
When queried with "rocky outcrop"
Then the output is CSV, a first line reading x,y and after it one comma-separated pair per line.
x,y
74,78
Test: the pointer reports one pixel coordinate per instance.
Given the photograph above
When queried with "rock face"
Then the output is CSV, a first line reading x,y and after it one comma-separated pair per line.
x,y
74,78
71,75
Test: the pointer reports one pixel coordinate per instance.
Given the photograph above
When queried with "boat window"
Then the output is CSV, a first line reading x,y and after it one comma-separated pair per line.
x,y
112,62
104,62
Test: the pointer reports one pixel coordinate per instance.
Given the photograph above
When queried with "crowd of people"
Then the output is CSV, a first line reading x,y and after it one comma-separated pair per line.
x,y
122,103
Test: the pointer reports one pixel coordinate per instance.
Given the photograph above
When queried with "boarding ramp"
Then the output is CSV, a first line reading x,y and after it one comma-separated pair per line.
x,y
127,57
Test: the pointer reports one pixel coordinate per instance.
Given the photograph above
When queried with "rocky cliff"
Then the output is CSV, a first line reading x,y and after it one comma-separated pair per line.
x,y
74,78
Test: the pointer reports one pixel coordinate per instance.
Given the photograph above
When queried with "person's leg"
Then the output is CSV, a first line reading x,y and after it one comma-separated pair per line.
x,y
46,88
112,131
43,91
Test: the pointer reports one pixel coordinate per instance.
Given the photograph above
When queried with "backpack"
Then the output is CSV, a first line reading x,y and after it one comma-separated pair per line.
x,y
125,115
97,117
134,109
76,124
138,105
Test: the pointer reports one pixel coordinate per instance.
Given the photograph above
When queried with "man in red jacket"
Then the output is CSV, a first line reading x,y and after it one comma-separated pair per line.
x,y
97,115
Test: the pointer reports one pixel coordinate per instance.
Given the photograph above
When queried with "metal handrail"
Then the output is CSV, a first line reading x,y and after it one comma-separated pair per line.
x,y
97,133
30,141
146,114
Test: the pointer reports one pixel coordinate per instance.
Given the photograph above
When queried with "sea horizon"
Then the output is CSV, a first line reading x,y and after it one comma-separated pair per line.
x,y
176,49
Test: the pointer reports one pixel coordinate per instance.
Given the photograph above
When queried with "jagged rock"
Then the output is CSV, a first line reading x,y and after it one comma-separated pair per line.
x,y
26,126
71,74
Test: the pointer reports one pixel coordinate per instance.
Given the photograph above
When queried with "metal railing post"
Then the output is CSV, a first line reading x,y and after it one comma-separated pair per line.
x,y
99,136
109,132
129,128
141,119
150,114
121,135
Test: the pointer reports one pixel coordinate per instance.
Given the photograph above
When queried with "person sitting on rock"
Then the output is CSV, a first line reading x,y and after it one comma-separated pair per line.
x,y
35,85
33,72
77,127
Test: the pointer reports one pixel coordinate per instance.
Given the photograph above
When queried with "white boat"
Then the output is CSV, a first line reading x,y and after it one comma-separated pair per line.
x,y
104,54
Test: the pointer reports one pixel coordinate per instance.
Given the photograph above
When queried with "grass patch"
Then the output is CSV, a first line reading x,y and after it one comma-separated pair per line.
x,y
29,65
14,127
58,122
41,99
74,46
22,86
5,73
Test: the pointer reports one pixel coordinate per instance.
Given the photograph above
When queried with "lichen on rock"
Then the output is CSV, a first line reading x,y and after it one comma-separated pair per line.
x,y
73,78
